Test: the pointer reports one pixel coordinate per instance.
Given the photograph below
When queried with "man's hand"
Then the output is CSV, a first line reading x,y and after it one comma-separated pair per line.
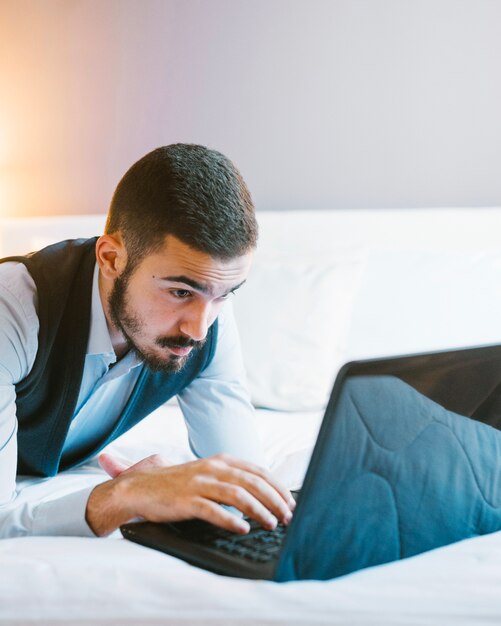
x,y
191,490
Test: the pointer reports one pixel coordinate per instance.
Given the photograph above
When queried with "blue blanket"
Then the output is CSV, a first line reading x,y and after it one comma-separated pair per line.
x,y
404,476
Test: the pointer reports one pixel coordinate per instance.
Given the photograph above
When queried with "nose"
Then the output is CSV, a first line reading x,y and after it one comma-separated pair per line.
x,y
195,323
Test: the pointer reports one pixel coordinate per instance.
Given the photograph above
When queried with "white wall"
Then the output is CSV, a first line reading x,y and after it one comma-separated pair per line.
x,y
321,103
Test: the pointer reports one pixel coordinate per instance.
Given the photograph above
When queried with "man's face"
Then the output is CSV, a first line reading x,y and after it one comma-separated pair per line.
x,y
165,307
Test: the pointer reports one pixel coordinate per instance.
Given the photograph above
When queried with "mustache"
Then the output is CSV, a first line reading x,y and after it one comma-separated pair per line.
x,y
179,342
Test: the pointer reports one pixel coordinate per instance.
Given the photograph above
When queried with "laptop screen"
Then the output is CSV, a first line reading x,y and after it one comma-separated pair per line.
x,y
402,464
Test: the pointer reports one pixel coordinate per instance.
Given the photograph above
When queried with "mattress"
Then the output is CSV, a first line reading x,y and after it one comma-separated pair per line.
x,y
76,580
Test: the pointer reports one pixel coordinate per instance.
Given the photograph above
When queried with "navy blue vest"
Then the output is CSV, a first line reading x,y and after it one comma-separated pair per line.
x,y
47,397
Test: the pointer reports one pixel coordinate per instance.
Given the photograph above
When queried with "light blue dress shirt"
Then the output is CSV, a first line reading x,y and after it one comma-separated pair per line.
x,y
215,406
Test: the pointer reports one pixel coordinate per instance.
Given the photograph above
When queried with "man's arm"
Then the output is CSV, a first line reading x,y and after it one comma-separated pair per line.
x,y
18,347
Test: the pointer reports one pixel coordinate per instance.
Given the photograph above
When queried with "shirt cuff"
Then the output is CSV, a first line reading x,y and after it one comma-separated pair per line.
x,y
63,516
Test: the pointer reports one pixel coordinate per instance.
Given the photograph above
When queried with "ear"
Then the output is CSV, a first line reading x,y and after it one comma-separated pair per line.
x,y
111,255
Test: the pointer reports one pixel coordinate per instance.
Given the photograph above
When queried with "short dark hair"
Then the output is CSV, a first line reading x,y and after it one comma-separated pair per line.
x,y
185,190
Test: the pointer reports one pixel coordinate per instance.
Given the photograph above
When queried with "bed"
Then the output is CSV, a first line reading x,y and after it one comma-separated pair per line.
x,y
375,282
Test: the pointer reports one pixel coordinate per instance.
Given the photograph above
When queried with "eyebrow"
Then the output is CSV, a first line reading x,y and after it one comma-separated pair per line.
x,y
202,287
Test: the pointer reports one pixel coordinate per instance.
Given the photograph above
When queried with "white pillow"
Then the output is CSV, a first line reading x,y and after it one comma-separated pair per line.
x,y
421,300
293,316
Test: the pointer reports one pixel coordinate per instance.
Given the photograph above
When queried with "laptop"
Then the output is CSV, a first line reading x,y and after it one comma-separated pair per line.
x,y
384,419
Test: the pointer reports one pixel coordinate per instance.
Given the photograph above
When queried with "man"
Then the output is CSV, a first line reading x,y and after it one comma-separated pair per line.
x,y
95,334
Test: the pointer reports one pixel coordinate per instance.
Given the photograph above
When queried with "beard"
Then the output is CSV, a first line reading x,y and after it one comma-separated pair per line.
x,y
131,325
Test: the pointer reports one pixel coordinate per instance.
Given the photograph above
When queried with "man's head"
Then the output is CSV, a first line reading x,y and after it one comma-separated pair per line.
x,y
185,190
179,238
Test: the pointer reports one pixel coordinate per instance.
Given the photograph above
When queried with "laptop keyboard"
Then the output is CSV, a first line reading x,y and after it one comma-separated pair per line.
x,y
259,545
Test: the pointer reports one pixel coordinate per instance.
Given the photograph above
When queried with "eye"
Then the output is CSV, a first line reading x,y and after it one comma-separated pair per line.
x,y
181,293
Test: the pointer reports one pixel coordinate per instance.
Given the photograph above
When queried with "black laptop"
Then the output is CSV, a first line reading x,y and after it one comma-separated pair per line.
x,y
360,484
